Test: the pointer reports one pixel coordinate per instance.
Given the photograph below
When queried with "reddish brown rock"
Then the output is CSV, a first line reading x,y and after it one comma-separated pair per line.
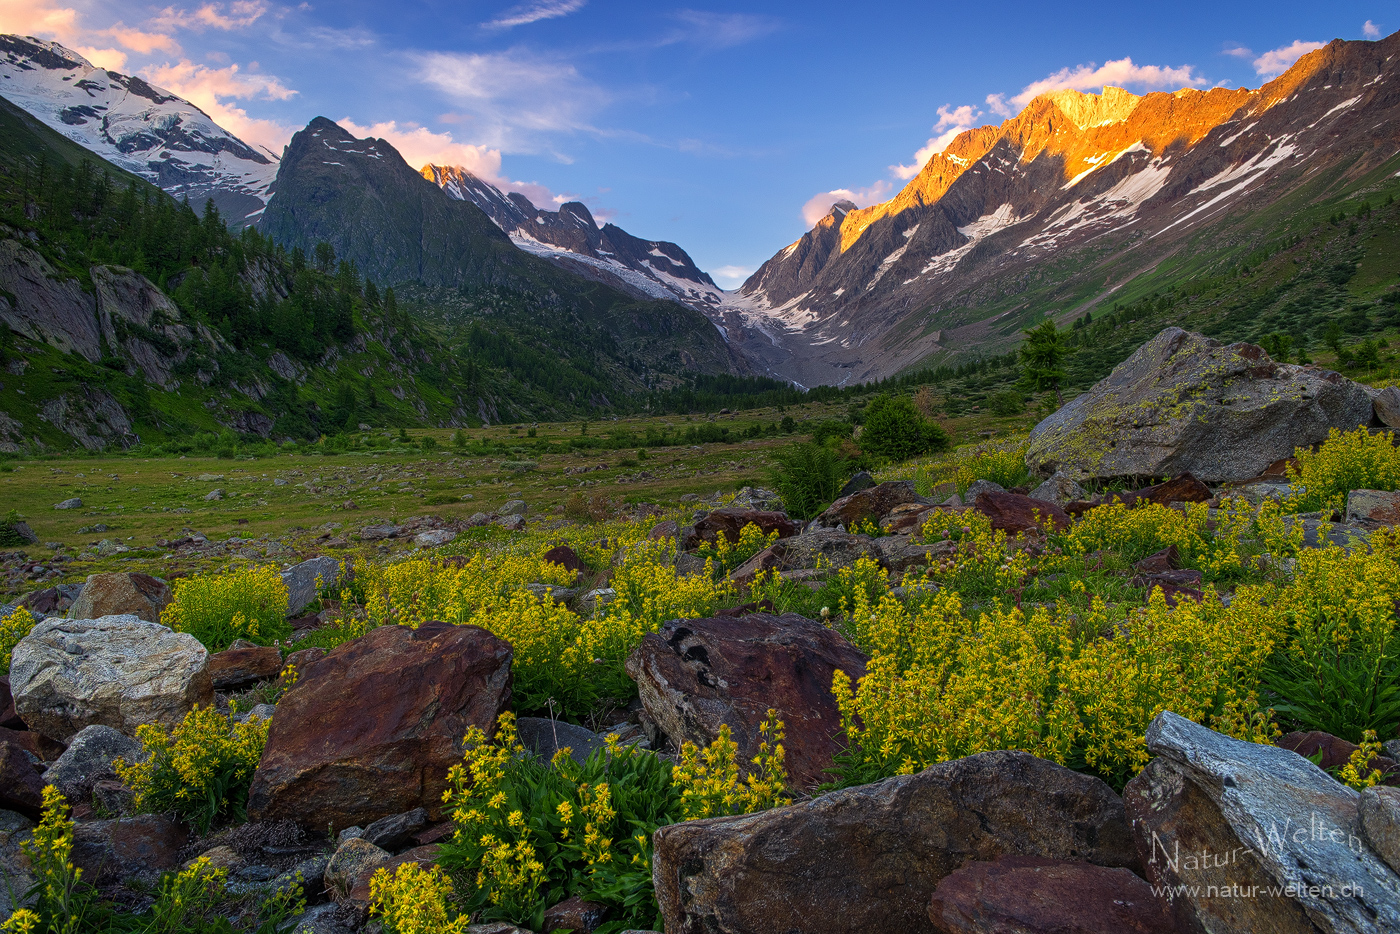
x,y
120,593
372,728
698,674
303,657
870,505
236,668
1176,586
906,518
21,788
112,850
1335,752
1012,512
730,521
664,530
769,559
9,717
1165,560
868,858
574,914
1034,895
565,557
43,748
1182,488
1373,508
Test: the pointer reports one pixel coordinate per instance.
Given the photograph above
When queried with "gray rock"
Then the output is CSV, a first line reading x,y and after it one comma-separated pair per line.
x,y
868,858
433,538
305,580
261,711
49,307
1386,406
394,832
16,876
1261,819
557,594
514,507
74,503
1337,533
1391,748
511,523
1380,818
899,552
88,760
323,919
120,671
840,549
978,487
1257,492
351,859
349,833
309,874
1059,489
861,481
545,737
593,601
1183,403
214,496
1371,508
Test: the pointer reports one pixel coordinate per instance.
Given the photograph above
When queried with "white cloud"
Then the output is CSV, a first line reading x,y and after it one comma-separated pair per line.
x,y
996,103
143,42
514,96
730,277
1279,60
533,12
722,30
952,122
819,205
240,14
210,89
1370,30
1119,73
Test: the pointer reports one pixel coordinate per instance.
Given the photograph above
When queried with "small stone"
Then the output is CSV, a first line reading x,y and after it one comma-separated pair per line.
x,y
74,503
565,557
232,669
114,850
219,857
305,580
1060,489
514,507
595,599
1372,508
433,538
213,496
545,737
574,914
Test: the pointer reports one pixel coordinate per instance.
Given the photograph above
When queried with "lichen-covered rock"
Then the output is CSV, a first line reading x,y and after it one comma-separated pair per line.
x,y
1186,403
119,594
837,549
1373,508
88,760
120,671
697,675
869,858
1221,817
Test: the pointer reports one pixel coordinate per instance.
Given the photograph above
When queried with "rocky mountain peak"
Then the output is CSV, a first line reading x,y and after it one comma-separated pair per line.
x,y
1088,110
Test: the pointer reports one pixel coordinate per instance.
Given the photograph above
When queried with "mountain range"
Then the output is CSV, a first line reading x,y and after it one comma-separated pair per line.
x,y
1209,208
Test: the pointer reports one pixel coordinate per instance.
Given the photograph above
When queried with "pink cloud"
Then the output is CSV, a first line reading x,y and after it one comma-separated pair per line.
x,y
211,89
819,205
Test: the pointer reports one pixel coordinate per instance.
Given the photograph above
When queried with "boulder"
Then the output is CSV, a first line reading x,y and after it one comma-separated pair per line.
x,y
869,858
1185,403
698,674
358,897
9,717
545,737
305,580
71,503
16,877
839,549
110,851
1380,819
21,788
36,744
1059,489
869,505
667,528
119,671
237,668
1222,817
88,760
730,521
514,507
1034,895
575,915
1373,508
371,728
1012,512
900,552
121,593
1386,406
566,557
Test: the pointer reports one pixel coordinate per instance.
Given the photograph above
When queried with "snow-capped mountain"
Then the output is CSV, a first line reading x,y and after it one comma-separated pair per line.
x,y
1058,208
141,128
571,238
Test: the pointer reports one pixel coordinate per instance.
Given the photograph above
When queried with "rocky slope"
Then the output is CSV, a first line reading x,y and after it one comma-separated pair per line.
x,y
1062,208
139,127
571,238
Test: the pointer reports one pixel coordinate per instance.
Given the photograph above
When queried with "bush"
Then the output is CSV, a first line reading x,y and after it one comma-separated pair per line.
x,y
249,603
808,477
830,430
1006,403
895,430
201,771
12,629
1346,461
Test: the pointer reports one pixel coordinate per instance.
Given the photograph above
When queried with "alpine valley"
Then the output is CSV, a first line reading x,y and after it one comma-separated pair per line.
x,y
334,285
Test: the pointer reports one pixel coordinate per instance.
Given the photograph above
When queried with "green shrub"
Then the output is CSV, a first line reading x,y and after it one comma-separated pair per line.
x,y
831,430
896,430
249,603
808,477
1006,403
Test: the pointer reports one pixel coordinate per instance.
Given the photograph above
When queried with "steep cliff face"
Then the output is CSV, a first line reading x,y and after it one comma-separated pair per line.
x,y
1057,208
144,129
572,240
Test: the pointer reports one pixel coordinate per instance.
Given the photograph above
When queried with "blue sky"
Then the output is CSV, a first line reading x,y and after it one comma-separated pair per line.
x,y
723,127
